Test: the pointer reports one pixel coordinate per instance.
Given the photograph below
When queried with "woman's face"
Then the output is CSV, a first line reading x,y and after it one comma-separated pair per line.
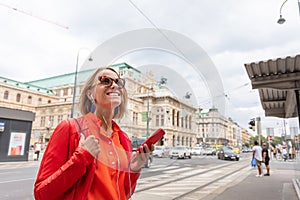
x,y
107,96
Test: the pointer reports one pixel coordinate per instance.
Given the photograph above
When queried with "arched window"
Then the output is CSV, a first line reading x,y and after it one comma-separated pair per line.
x,y
6,94
29,100
177,120
18,97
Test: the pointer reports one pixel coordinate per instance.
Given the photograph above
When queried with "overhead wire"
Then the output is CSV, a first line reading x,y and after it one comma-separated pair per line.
x,y
34,16
168,39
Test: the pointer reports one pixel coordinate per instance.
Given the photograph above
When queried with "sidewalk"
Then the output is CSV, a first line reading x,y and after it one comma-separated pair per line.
x,y
279,186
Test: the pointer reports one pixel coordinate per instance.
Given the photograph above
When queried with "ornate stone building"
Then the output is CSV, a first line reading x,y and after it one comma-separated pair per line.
x,y
51,101
151,105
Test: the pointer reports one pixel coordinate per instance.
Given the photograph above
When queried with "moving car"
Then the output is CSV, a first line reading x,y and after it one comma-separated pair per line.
x,y
209,151
197,150
180,152
161,151
226,153
136,142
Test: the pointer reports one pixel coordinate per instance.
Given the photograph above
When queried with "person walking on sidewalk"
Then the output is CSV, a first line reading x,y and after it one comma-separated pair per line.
x,y
257,154
37,150
266,158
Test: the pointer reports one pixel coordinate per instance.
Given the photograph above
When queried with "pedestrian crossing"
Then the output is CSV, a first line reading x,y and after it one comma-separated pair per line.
x,y
178,180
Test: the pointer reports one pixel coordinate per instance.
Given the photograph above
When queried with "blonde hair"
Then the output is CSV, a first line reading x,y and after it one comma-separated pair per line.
x,y
85,103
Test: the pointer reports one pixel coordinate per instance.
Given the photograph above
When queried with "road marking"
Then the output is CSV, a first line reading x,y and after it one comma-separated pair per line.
x,y
18,180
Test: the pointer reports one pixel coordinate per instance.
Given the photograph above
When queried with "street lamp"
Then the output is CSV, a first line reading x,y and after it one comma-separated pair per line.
x,y
281,20
75,81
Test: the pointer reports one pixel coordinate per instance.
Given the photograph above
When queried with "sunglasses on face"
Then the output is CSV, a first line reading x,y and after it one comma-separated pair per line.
x,y
107,81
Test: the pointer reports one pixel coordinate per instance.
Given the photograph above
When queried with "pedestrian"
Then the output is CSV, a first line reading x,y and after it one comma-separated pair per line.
x,y
257,154
284,153
266,158
91,157
37,150
274,152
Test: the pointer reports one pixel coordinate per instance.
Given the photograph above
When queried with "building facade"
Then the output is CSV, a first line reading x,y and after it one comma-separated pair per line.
x,y
151,105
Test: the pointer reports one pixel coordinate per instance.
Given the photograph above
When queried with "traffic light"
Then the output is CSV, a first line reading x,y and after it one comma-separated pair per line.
x,y
252,124
270,138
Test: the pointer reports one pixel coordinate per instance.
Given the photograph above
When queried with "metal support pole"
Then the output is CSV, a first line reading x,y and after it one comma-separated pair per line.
x,y
75,81
148,109
258,128
298,105
75,84
284,131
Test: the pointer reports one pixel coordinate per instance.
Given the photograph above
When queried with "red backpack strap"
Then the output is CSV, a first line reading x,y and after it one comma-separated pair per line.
x,y
81,133
81,128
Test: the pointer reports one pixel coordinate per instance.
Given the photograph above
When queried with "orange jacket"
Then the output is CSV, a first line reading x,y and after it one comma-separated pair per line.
x,y
67,171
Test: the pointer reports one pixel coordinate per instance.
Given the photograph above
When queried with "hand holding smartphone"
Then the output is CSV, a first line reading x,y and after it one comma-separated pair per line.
x,y
155,137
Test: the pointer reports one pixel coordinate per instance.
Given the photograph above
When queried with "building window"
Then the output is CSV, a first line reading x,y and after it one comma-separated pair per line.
x,y
6,93
177,124
182,122
29,100
59,118
135,118
157,120
162,120
65,92
51,120
49,101
43,121
173,117
40,101
18,97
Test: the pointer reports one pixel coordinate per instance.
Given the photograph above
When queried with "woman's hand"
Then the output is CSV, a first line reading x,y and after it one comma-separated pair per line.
x,y
139,158
91,144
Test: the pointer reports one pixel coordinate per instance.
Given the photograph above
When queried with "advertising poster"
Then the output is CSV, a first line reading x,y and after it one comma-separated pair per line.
x,y
16,144
2,126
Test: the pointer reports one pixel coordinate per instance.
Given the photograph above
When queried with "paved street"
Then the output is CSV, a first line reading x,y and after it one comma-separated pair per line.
x,y
16,180
202,177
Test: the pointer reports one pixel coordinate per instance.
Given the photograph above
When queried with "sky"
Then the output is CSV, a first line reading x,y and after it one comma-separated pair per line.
x,y
40,39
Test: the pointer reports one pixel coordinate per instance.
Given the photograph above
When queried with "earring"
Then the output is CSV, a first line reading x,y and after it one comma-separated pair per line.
x,y
93,107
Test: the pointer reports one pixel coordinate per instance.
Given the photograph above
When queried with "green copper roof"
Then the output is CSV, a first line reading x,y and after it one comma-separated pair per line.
x,y
69,79
27,86
64,79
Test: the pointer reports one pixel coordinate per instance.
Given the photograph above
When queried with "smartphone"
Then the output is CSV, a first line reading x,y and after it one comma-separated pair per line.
x,y
155,137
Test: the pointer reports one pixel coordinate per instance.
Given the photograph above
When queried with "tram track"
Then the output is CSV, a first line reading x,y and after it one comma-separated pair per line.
x,y
189,183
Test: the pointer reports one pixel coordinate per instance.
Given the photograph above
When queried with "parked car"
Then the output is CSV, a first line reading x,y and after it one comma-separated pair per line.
x,y
226,153
197,150
209,151
136,142
161,151
180,152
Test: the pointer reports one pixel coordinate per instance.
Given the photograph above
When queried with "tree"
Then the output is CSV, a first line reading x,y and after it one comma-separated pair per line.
x,y
255,138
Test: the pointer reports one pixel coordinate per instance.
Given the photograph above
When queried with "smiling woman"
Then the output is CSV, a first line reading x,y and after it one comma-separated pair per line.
x,y
92,152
